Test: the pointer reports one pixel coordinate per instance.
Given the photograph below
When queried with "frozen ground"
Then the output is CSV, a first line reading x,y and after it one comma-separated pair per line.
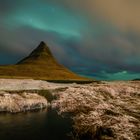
x,y
107,111
18,95
100,111
28,84
21,102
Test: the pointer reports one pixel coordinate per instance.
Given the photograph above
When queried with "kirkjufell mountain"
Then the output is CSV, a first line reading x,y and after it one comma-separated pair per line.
x,y
40,56
40,64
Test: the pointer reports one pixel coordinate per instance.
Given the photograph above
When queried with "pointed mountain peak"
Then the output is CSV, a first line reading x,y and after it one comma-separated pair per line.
x,y
41,53
41,49
42,43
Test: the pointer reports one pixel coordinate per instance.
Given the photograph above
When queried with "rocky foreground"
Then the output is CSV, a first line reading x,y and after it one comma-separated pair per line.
x,y
100,111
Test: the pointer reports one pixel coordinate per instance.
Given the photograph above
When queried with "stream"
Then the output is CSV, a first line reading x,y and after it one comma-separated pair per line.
x,y
39,125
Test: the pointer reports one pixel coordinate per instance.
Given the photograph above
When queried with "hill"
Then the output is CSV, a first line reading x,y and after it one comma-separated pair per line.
x,y
40,64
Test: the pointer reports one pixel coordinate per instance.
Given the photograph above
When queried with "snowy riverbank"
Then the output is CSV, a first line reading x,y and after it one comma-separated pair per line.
x,y
15,103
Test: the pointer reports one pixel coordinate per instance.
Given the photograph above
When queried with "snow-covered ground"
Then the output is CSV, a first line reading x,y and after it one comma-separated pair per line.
x,y
18,95
28,84
103,111
21,102
24,101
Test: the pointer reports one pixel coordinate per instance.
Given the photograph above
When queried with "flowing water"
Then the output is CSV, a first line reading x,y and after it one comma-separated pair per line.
x,y
42,125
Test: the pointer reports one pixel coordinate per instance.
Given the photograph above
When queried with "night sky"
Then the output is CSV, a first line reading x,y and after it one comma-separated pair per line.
x,y
94,38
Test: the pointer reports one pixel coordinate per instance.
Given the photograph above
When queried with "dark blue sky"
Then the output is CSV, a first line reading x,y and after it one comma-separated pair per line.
x,y
93,38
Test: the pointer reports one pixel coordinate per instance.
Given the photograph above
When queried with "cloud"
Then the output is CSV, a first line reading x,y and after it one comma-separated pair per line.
x,y
122,13
112,53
